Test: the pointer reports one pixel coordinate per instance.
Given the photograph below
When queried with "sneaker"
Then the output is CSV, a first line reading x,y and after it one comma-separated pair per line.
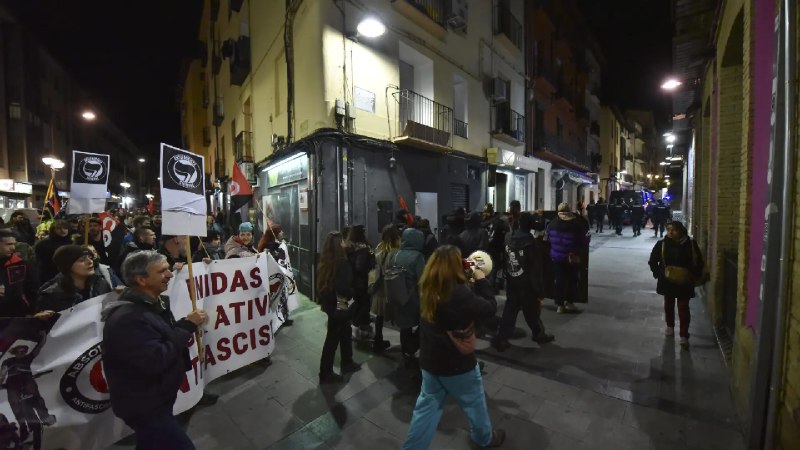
x,y
350,367
498,437
685,343
670,331
561,309
570,308
544,338
330,378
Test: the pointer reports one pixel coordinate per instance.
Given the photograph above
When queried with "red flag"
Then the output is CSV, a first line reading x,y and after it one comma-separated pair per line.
x,y
151,206
409,217
241,191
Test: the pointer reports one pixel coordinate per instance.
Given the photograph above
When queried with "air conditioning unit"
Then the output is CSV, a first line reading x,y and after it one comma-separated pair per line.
x,y
497,90
457,17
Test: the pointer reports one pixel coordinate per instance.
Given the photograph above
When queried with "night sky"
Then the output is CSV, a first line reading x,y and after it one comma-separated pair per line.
x,y
128,54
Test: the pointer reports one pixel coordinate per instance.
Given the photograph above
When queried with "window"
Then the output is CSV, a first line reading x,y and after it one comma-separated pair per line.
x,y
460,106
14,111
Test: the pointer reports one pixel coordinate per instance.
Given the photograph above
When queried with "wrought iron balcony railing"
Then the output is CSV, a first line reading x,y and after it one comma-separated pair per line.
x,y
435,9
505,23
508,122
422,118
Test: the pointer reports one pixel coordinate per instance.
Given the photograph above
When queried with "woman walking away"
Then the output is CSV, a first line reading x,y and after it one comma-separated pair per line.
x,y
390,241
568,241
335,295
362,260
411,262
677,264
450,309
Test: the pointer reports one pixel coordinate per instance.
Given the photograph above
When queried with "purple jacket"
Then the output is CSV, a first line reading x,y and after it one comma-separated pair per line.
x,y
567,234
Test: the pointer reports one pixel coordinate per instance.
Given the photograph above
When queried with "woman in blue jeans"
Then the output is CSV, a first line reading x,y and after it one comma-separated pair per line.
x,y
449,310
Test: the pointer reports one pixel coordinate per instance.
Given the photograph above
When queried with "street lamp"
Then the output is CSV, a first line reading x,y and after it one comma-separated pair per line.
x,y
125,184
671,84
141,160
149,196
53,163
670,138
88,115
371,27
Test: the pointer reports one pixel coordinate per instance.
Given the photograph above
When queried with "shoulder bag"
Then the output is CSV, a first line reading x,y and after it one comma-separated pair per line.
x,y
676,274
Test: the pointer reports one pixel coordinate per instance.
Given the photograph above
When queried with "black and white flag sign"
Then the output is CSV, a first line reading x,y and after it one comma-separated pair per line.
x,y
89,182
183,204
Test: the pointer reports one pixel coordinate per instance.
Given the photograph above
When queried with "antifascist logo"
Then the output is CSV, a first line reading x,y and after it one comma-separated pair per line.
x,y
92,169
184,171
83,386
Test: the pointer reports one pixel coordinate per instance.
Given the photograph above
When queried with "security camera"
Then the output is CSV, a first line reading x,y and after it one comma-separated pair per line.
x,y
392,162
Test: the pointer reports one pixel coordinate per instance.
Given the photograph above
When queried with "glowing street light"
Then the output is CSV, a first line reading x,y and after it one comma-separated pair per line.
x,y
88,115
670,138
125,185
53,163
141,160
671,84
663,163
371,27
149,196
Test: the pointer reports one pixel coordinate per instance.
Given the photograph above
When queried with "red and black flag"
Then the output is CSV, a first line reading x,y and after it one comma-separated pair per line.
x,y
52,203
241,191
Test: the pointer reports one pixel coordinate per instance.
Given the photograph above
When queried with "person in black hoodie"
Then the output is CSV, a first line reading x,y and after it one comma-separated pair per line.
x,y
524,285
362,260
335,296
454,227
46,248
449,310
431,243
145,357
474,237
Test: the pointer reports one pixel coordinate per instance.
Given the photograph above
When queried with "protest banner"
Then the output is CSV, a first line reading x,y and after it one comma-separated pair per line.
x,y
56,393
89,182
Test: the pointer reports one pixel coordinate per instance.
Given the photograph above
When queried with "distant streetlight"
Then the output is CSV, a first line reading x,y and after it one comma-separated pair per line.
x,y
666,176
670,138
88,115
141,160
149,196
125,184
371,27
53,163
671,84
663,163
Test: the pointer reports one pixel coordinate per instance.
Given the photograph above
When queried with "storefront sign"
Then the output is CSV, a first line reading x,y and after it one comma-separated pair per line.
x,y
7,185
293,169
23,188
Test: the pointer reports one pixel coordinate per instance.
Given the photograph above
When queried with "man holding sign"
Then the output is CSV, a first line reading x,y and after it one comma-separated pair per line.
x,y
145,357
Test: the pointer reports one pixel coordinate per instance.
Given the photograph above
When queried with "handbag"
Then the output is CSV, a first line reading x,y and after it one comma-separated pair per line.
x,y
676,274
464,340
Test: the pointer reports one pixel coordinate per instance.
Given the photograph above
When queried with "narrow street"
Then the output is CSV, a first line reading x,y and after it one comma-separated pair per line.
x,y
610,380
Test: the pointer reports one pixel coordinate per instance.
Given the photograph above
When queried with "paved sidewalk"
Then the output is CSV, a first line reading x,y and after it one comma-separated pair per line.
x,y
611,380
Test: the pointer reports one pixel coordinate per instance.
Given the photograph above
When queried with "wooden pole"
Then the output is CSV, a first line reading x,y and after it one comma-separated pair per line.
x,y
192,295
86,229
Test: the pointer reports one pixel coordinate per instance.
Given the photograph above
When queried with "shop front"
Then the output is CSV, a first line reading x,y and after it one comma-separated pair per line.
x,y
516,177
14,195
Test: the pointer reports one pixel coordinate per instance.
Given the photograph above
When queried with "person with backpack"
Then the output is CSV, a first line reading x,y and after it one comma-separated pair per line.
x,y
677,264
524,287
403,270
335,296
450,309
390,241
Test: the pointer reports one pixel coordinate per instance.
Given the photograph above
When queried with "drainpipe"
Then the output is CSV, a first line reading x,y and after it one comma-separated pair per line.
x,y
768,375
288,42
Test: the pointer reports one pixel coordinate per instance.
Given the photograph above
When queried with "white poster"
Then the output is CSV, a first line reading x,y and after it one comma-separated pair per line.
x,y
89,182
56,394
183,203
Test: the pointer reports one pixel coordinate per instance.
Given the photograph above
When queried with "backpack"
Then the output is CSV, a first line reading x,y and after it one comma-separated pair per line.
x,y
397,282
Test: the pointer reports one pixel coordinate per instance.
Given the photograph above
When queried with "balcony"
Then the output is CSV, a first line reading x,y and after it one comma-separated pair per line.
x,y
460,128
423,122
219,112
507,29
240,61
430,15
509,125
243,146
556,149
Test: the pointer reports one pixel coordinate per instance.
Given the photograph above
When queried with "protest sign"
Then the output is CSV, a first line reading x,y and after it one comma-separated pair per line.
x,y
89,182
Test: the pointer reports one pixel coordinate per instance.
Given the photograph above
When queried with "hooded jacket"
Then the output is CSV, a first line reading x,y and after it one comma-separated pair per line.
x,y
473,237
521,263
362,260
21,283
53,297
410,257
145,356
235,248
567,234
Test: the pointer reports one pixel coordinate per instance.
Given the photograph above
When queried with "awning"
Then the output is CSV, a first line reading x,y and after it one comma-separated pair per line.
x,y
502,157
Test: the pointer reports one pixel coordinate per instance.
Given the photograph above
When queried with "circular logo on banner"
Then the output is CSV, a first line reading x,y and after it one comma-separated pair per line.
x,y
83,386
92,169
235,188
184,171
277,291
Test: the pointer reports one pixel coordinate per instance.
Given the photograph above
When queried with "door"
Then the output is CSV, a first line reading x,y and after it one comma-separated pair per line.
x,y
501,192
427,207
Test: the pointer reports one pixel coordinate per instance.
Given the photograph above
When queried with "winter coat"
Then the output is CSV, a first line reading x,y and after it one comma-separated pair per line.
x,y
675,254
45,249
379,304
342,286
362,260
521,267
438,355
474,237
214,252
567,234
53,297
431,244
637,213
410,257
132,247
108,274
662,213
600,211
235,248
21,283
145,357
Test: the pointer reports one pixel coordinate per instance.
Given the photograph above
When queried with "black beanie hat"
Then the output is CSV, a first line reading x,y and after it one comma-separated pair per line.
x,y
66,255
